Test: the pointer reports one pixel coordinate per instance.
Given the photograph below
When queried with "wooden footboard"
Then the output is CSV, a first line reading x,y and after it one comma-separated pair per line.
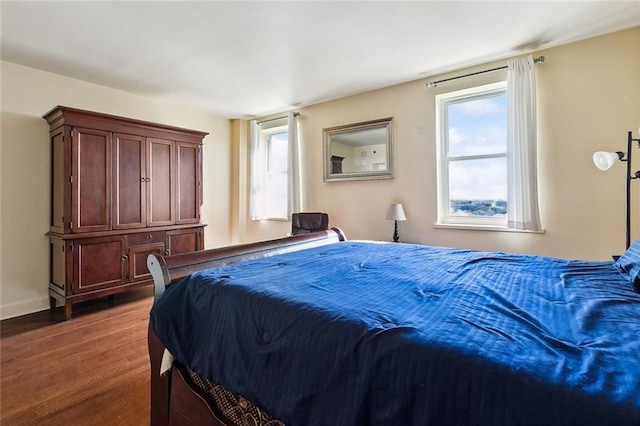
x,y
173,399
159,384
166,270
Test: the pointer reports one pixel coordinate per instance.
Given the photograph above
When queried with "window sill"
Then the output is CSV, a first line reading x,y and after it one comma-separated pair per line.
x,y
483,228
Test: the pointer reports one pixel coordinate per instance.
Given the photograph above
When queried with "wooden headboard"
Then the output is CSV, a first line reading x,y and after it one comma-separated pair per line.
x,y
166,270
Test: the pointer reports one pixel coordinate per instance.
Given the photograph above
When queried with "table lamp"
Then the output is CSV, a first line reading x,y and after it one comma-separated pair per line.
x,y
396,213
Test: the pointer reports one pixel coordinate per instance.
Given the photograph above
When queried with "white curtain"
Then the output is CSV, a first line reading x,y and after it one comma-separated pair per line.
x,y
523,182
294,166
256,202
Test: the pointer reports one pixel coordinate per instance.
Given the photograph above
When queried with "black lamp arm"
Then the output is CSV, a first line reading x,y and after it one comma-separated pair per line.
x,y
635,175
630,176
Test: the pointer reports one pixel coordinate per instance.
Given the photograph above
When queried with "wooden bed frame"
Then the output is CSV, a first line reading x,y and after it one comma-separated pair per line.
x,y
175,400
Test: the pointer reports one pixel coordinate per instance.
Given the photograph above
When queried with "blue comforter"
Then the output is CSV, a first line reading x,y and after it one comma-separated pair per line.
x,y
363,333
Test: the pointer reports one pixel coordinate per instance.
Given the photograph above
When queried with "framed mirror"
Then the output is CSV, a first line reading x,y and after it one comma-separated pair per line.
x,y
359,151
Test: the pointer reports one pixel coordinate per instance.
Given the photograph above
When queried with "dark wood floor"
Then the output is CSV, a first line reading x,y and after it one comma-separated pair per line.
x,y
90,370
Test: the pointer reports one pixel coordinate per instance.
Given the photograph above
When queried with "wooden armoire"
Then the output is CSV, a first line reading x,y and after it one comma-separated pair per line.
x,y
120,190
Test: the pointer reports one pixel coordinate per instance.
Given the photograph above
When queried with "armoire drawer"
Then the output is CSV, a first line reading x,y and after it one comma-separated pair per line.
x,y
144,238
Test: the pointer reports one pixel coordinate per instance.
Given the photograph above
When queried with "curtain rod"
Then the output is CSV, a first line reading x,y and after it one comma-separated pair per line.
x,y
538,60
295,114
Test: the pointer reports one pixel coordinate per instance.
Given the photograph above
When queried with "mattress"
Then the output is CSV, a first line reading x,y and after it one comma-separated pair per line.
x,y
387,334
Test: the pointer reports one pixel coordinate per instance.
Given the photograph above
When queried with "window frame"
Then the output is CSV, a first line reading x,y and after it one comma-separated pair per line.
x,y
443,100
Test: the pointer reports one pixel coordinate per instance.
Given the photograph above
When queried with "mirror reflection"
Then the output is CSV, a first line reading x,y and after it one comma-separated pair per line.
x,y
359,151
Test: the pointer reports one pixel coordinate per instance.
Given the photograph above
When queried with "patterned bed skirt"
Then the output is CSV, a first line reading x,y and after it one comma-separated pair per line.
x,y
237,410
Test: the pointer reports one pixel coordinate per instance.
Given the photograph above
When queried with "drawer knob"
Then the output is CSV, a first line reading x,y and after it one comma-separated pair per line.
x,y
124,257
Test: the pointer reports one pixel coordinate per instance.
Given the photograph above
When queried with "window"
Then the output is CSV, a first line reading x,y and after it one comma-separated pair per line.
x,y
486,141
472,156
274,182
277,171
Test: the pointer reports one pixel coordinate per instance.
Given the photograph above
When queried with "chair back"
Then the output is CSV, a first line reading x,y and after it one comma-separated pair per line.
x,y
304,223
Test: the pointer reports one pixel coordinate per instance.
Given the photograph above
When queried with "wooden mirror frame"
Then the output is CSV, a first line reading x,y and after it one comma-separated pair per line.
x,y
333,161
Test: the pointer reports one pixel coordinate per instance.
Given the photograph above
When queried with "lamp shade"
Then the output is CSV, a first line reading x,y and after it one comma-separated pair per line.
x,y
396,212
605,160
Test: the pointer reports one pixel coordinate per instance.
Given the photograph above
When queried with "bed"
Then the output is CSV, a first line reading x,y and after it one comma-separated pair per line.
x,y
318,330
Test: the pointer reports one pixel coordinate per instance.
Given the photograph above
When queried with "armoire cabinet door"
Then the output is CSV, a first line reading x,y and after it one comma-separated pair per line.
x,y
138,270
99,263
188,182
91,180
129,206
184,241
160,184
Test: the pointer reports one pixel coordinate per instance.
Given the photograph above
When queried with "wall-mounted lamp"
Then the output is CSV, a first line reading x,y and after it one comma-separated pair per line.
x,y
396,213
605,160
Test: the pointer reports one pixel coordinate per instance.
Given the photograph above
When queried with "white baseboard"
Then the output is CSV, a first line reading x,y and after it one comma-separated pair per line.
x,y
25,307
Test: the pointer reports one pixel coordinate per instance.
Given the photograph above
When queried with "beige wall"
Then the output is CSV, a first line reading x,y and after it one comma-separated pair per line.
x,y
588,98
25,172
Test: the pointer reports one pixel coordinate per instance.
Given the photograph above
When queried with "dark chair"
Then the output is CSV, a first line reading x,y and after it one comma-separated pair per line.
x,y
304,223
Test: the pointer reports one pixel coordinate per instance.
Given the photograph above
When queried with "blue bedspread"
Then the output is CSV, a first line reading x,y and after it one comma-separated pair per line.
x,y
361,333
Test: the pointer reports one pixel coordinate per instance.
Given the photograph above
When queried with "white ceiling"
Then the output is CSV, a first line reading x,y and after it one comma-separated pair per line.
x,y
242,59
